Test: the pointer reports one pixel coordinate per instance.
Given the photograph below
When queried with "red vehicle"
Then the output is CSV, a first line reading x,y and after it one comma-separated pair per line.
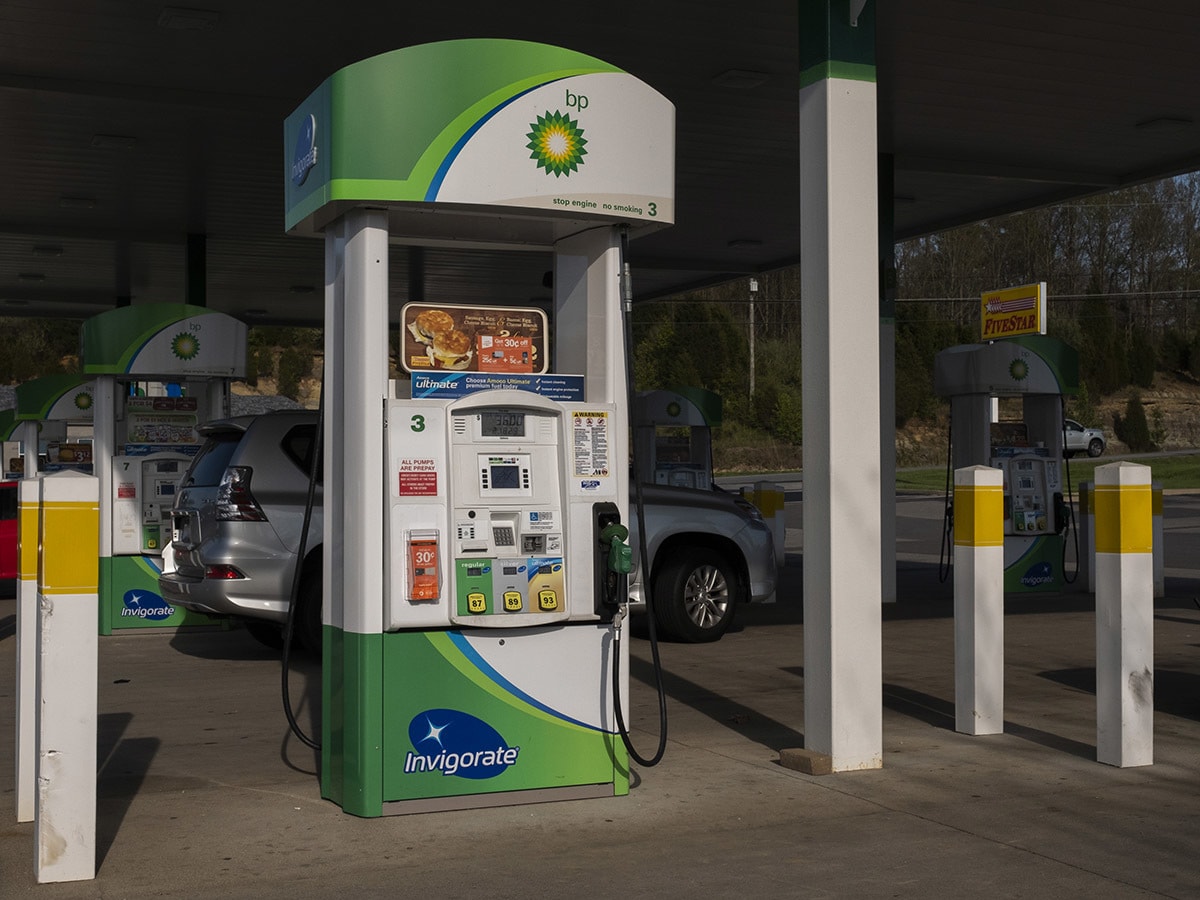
x,y
8,530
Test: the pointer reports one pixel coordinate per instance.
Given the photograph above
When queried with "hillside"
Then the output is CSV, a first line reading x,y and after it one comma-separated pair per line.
x,y
1172,406
1172,409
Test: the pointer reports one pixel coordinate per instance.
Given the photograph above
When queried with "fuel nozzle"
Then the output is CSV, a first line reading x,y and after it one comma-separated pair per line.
x,y
620,554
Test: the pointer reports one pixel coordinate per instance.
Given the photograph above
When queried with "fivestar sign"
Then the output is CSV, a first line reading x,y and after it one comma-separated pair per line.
x,y
1013,311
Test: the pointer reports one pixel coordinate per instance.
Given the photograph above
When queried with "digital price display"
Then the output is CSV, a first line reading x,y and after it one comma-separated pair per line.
x,y
502,424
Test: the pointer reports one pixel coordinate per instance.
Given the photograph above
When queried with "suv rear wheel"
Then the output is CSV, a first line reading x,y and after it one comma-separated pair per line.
x,y
695,595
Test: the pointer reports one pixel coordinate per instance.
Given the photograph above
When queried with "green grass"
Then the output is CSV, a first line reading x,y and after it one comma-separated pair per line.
x,y
1170,472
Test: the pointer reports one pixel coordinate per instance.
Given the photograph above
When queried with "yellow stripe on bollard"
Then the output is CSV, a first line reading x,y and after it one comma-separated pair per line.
x,y
768,502
1123,518
70,547
978,516
27,541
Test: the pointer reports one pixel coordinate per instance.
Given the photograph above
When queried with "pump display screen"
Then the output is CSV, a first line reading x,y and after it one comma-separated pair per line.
x,y
505,477
502,424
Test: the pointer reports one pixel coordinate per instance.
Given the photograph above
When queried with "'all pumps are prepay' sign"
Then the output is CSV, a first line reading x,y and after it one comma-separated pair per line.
x,y
1013,311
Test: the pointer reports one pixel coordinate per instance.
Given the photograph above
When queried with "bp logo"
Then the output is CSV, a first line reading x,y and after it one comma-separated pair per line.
x,y
557,144
674,409
1038,574
83,400
146,605
456,743
1018,369
185,346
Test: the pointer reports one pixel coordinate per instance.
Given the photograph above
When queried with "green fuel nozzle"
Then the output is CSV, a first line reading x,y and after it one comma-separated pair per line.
x,y
620,554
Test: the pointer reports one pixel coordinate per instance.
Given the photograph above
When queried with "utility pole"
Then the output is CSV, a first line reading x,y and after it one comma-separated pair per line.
x,y
753,292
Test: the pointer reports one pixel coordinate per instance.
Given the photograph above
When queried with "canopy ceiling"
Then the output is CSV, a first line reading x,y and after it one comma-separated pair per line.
x,y
129,126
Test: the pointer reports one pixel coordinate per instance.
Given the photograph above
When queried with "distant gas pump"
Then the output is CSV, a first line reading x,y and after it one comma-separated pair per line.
x,y
1039,371
490,670
160,371
674,444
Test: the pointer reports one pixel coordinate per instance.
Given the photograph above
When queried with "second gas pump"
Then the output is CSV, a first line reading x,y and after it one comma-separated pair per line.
x,y
1028,448
473,663
160,370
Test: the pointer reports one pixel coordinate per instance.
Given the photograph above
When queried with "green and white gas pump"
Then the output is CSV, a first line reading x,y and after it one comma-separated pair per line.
x,y
1040,371
474,509
54,413
160,371
674,444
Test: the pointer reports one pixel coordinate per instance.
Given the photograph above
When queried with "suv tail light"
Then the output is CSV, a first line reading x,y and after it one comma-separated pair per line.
x,y
235,503
223,572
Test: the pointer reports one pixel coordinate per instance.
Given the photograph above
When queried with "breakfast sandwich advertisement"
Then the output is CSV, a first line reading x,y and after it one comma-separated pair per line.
x,y
491,339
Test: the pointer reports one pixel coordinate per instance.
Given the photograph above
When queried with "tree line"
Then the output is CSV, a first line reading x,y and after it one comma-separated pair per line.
x,y
1122,272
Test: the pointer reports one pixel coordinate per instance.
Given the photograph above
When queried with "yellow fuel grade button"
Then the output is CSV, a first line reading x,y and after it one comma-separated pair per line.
x,y
476,602
547,600
512,601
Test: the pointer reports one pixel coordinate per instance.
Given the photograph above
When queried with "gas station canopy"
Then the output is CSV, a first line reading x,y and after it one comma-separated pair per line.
x,y
143,140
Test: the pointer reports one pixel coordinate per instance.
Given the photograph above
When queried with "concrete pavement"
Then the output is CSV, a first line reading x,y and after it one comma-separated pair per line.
x,y
203,791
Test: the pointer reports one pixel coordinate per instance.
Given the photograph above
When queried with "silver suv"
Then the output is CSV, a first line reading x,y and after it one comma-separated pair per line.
x,y
239,512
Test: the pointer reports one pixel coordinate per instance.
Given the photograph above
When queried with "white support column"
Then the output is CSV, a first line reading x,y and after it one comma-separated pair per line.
x,y
887,384
354,434
1124,616
29,500
104,439
65,818
979,600
843,709
29,448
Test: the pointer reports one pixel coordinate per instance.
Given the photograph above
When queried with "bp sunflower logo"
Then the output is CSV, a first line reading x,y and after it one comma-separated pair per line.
x,y
185,346
556,142
1018,369
83,400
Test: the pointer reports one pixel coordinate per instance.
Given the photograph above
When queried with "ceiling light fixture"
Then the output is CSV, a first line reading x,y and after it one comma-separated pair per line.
x,y
301,289
741,79
114,141
1164,123
16,302
254,313
745,242
67,202
179,18
47,250
31,276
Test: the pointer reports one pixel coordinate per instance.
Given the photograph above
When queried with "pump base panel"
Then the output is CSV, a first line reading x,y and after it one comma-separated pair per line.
x,y
468,718
130,600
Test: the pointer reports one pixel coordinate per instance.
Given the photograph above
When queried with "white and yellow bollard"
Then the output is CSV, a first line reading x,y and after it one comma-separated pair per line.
x,y
1124,615
768,498
979,600
68,596
29,493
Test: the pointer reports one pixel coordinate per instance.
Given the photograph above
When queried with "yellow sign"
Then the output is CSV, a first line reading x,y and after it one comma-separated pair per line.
x,y
1013,311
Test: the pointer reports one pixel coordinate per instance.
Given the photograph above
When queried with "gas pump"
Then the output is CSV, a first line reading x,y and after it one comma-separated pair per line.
x,y
55,416
473,659
1038,370
160,371
674,443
